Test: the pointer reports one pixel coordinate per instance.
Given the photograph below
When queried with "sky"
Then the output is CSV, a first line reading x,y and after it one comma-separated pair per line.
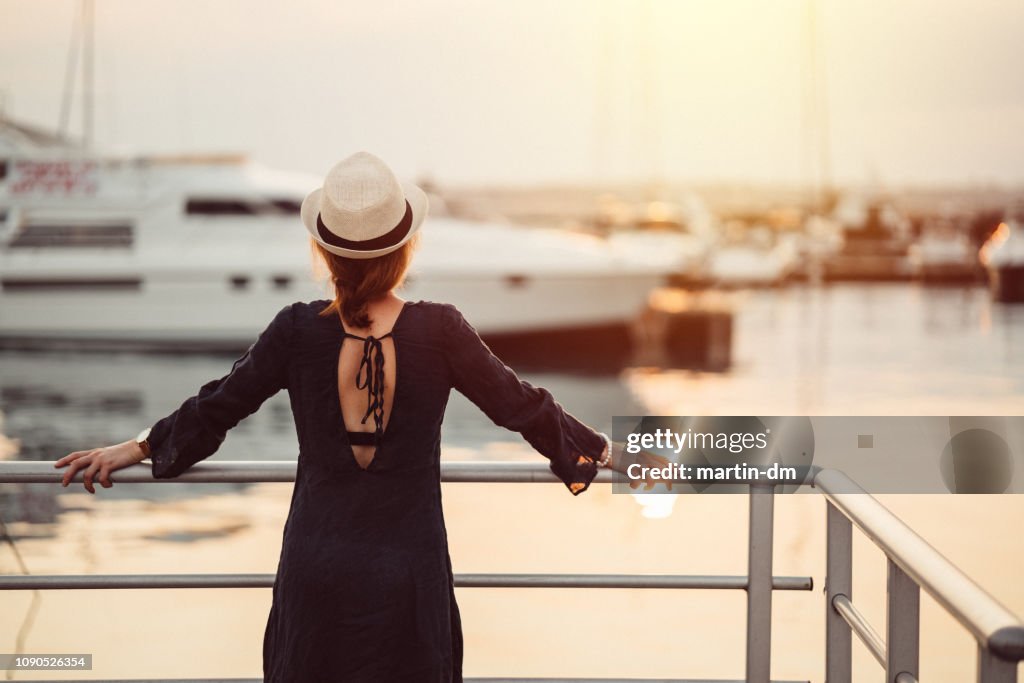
x,y
537,91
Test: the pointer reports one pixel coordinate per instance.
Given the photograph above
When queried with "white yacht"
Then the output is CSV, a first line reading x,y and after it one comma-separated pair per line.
x,y
202,251
875,242
943,252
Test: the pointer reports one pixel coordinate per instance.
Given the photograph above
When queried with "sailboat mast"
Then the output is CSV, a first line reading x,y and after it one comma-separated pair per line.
x,y
821,91
68,94
88,43
815,118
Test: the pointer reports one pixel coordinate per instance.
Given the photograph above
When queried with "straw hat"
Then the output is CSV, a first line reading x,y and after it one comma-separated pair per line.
x,y
362,210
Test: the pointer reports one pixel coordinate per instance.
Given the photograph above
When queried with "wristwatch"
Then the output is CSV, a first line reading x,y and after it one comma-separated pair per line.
x,y
143,440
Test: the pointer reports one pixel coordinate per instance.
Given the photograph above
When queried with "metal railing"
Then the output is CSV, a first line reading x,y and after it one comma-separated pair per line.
x,y
758,584
913,564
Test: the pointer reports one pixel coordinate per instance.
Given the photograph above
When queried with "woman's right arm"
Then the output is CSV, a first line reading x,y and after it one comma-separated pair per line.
x,y
197,428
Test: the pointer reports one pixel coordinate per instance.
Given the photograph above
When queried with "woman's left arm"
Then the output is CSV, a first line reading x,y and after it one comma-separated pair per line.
x,y
570,445
198,427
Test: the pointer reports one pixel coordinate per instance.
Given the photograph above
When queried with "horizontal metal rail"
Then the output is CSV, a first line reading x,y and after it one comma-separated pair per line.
x,y
612,680
993,625
658,581
281,471
472,679
1000,634
860,626
759,584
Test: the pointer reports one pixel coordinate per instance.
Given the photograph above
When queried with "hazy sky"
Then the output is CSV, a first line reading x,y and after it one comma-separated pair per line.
x,y
536,90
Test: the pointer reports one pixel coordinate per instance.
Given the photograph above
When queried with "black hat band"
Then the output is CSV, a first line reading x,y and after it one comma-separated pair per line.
x,y
389,239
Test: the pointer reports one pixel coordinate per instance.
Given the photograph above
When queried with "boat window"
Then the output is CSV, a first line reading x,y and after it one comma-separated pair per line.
x,y
70,235
105,284
516,281
220,207
239,281
287,206
281,281
227,206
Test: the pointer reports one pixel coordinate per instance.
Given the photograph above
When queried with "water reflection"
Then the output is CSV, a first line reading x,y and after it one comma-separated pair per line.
x,y
865,349
57,403
858,350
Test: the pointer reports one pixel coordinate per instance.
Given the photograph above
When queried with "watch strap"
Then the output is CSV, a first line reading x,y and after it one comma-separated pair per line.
x,y
143,440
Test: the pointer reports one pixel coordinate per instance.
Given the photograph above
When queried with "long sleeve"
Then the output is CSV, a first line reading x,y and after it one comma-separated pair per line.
x,y
571,446
197,428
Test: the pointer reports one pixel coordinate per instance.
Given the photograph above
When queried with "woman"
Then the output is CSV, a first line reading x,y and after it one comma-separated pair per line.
x,y
364,588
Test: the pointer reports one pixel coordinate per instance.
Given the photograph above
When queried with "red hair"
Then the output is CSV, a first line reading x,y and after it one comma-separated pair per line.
x,y
360,281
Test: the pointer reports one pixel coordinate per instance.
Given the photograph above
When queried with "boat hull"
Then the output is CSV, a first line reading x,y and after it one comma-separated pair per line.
x,y
205,311
1007,283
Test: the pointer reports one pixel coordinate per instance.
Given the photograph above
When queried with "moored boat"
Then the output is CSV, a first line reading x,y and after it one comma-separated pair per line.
x,y
875,247
201,251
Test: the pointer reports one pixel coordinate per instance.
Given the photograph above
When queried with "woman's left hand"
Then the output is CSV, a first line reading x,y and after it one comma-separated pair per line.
x,y
620,463
102,460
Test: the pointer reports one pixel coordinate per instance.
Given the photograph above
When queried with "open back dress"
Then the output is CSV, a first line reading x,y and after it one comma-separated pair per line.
x,y
364,590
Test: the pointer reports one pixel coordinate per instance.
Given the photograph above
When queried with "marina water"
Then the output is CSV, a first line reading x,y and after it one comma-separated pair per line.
x,y
892,349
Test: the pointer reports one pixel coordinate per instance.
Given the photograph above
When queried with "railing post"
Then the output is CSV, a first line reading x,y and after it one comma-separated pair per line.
x,y
759,583
993,669
902,624
838,581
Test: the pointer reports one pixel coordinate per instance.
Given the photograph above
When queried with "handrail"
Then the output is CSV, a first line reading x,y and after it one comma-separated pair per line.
x,y
657,581
991,623
283,471
913,564
759,584
468,679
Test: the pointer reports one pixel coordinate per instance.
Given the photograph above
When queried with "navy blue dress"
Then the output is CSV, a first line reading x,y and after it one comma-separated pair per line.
x,y
364,588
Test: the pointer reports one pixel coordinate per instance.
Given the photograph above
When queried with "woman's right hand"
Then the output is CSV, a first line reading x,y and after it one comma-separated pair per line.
x,y
103,460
